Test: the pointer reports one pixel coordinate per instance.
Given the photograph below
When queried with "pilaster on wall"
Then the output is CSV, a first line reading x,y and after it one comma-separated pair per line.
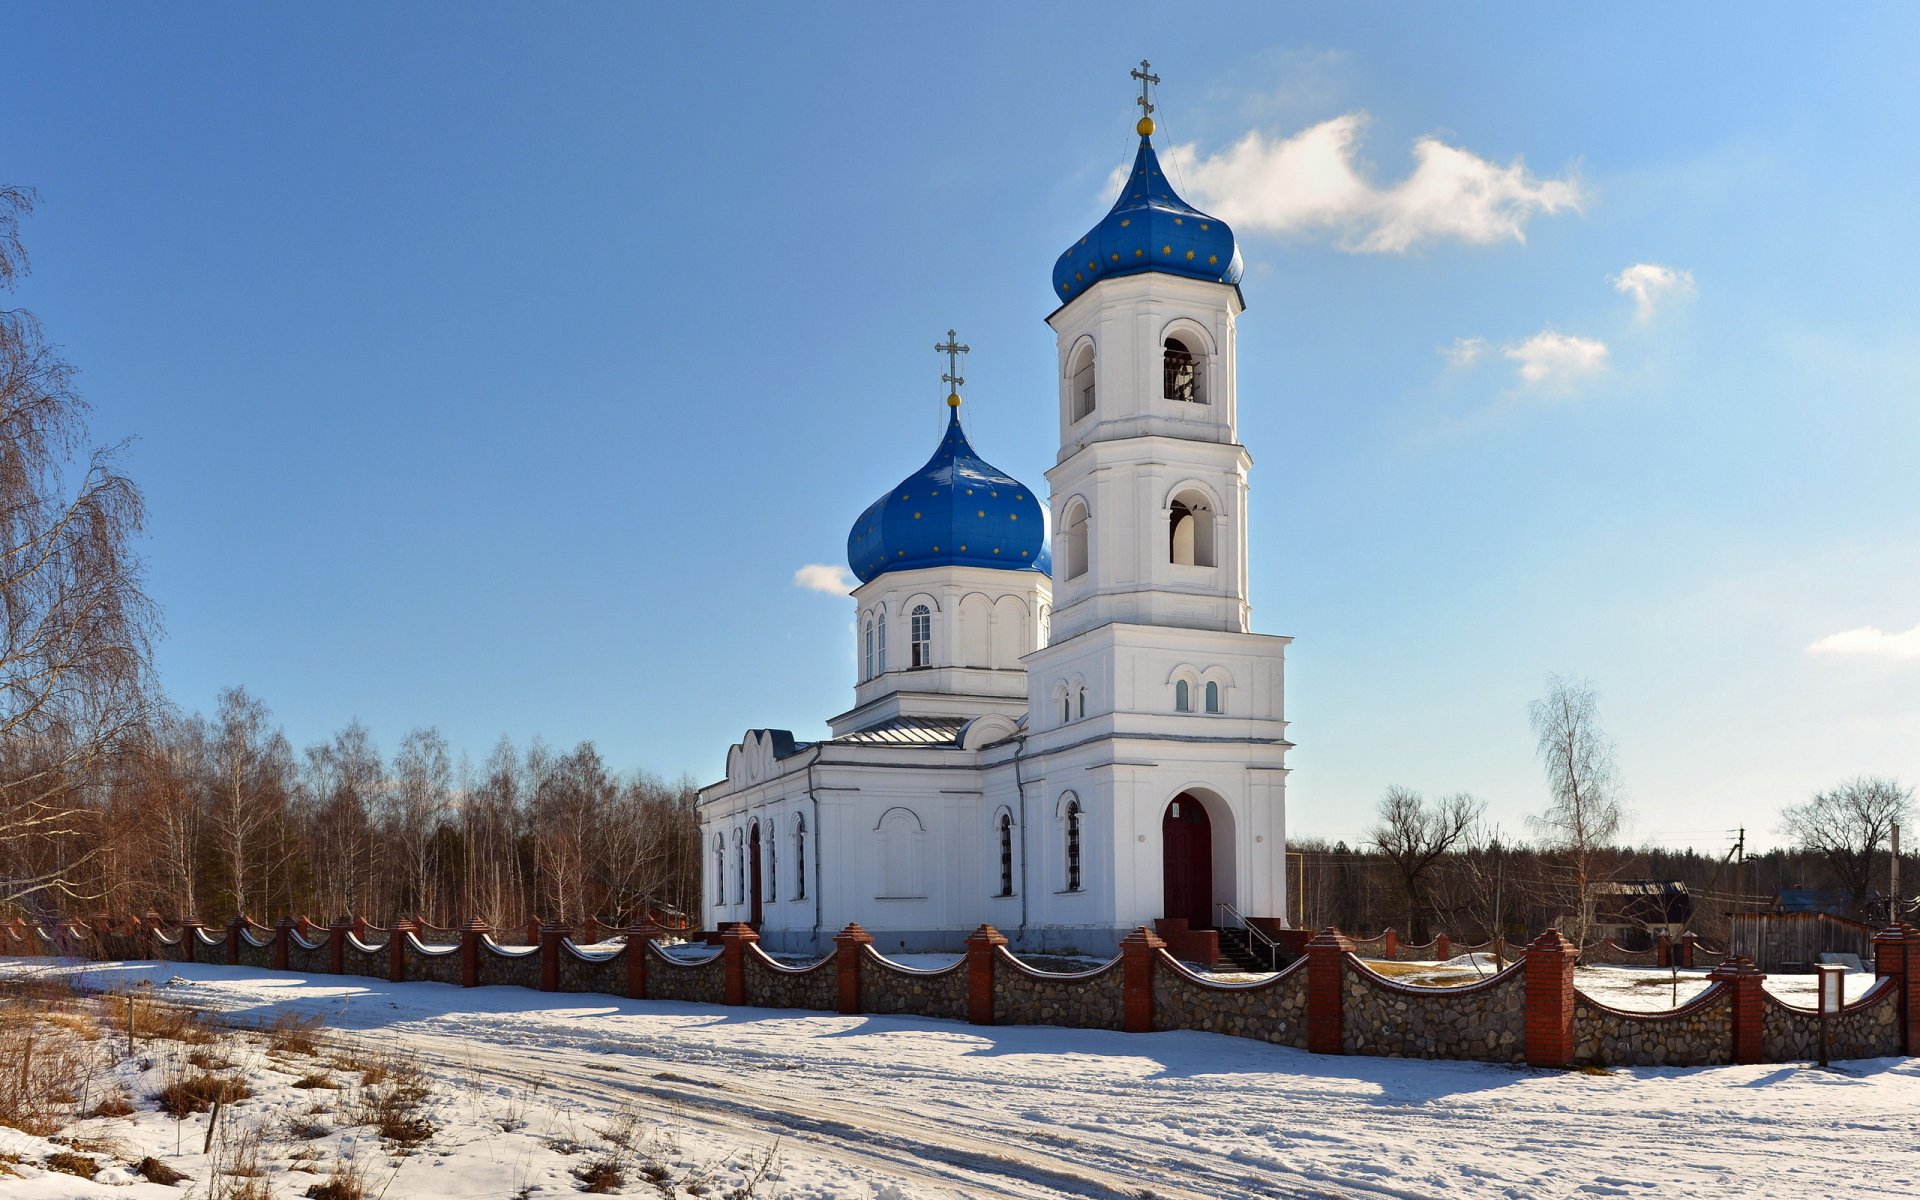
x,y
1746,982
640,937
1326,970
981,946
1549,979
848,946
550,939
1896,955
1138,950
734,940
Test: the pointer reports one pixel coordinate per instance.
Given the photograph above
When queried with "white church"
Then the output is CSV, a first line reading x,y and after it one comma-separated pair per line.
x,y
1062,725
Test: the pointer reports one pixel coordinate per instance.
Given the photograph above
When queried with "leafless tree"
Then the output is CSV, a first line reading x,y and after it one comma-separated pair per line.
x,y
250,765
75,625
1849,827
1585,812
422,794
1413,834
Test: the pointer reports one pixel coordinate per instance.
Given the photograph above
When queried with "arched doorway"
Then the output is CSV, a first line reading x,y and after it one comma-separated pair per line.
x,y
1186,839
754,888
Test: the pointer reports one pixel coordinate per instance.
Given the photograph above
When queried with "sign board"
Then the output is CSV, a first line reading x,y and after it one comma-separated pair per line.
x,y
1833,988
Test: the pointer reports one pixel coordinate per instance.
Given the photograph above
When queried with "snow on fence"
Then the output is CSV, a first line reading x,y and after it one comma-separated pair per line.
x,y
1329,1001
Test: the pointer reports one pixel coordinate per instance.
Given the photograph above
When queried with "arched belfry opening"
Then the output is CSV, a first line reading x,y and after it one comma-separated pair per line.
x,y
1186,842
1181,376
1080,393
1190,531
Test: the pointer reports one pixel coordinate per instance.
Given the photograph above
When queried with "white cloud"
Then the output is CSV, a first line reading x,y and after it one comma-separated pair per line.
x,y
1649,283
1556,359
824,577
1312,181
1465,351
1869,642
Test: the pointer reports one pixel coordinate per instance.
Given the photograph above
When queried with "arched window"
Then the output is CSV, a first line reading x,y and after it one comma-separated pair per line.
x,y
1073,845
880,640
1181,373
1212,696
1080,383
740,864
1083,703
773,860
800,856
1075,540
922,636
1182,696
869,658
1190,531
719,869
1066,708
1006,854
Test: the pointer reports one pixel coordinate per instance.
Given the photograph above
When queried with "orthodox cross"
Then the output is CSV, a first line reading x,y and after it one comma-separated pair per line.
x,y
953,350
1145,78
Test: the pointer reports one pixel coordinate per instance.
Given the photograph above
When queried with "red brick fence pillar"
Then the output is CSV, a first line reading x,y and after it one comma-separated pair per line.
x,y
734,940
471,935
1896,955
847,948
397,949
282,934
1745,980
337,945
1390,946
1137,952
983,945
1689,941
640,936
1549,982
1442,947
234,927
1326,979
550,937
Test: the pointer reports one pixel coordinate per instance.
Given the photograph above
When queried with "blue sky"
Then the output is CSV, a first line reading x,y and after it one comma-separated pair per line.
x,y
496,368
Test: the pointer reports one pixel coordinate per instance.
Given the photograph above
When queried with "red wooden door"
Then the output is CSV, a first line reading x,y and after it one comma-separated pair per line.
x,y
1187,843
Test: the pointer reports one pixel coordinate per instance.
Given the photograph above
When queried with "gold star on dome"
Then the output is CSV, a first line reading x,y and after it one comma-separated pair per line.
x,y
1013,516
1126,222
1204,227
1116,258
1189,256
1213,260
1166,249
1138,253
916,516
981,513
1178,221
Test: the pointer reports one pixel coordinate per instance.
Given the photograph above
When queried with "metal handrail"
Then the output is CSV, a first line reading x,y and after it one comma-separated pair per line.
x,y
1273,947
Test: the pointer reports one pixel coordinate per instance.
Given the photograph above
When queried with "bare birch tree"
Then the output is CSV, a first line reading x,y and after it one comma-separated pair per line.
x,y
1584,810
75,625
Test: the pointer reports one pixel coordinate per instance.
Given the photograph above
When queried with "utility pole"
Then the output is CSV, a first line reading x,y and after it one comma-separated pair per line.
x,y
1893,897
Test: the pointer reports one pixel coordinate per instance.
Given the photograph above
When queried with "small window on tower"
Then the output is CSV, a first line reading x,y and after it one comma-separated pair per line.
x,y
1080,384
1182,696
1083,704
1006,854
1213,696
922,636
1075,539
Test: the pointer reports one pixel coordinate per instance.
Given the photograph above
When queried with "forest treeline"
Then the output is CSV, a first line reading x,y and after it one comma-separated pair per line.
x,y
212,816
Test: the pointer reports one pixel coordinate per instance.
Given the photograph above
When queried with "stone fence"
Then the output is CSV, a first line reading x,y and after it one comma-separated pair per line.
x,y
1328,1001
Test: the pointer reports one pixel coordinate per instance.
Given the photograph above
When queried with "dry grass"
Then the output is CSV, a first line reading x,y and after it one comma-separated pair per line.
x,y
119,1104
347,1182
196,1093
318,1079
392,1089
291,1033
1419,974
154,1171
51,1055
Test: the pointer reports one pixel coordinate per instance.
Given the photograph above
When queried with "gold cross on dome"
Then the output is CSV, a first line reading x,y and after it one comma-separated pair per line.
x,y
1145,76
953,350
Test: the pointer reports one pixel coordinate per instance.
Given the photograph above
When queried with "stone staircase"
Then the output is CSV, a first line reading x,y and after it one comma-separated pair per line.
x,y
1239,951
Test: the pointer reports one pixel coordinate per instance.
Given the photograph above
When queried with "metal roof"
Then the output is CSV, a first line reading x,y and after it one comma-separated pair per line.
x,y
906,731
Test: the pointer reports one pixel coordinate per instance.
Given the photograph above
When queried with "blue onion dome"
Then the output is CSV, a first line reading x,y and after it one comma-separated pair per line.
x,y
957,511
1149,229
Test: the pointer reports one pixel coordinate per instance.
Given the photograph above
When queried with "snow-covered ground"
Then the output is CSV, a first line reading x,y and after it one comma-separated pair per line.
x,y
892,1108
